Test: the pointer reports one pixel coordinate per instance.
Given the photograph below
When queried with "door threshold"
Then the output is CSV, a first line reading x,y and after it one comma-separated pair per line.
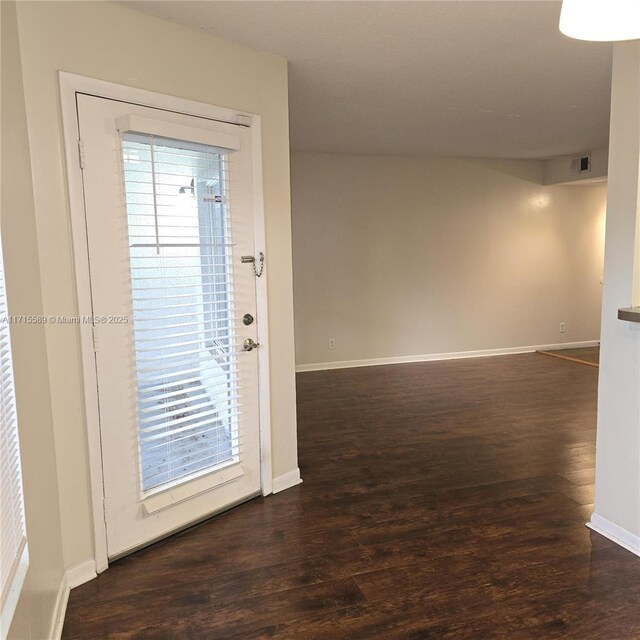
x,y
185,527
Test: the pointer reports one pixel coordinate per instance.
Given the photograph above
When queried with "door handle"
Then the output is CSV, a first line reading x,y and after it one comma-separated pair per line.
x,y
250,345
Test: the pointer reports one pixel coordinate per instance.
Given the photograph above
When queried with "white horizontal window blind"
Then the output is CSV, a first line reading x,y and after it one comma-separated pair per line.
x,y
14,556
179,233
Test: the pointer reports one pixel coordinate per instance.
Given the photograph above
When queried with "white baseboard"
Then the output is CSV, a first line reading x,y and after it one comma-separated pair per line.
x,y
74,577
12,596
615,533
60,609
287,481
429,357
82,573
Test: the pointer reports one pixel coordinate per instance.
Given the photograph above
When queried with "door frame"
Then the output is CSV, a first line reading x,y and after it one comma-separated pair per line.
x,y
70,85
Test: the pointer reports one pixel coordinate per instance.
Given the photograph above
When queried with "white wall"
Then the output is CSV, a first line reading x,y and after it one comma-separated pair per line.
x,y
114,43
33,616
397,256
617,500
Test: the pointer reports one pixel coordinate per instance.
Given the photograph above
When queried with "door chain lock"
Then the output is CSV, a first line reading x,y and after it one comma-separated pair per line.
x,y
252,261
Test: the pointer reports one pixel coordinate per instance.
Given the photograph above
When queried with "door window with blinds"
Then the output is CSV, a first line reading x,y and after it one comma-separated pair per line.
x,y
180,235
169,217
14,556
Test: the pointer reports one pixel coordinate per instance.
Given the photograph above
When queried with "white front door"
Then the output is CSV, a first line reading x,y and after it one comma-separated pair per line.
x,y
169,215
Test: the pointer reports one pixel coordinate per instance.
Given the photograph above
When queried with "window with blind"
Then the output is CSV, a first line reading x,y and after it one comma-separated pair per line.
x,y
14,554
180,263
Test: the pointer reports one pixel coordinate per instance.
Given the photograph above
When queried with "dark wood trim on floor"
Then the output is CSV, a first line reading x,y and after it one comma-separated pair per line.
x,y
582,355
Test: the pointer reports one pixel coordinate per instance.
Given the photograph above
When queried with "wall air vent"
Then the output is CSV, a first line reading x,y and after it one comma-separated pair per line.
x,y
581,164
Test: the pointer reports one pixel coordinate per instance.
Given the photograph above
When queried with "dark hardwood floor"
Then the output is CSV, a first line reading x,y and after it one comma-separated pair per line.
x,y
441,500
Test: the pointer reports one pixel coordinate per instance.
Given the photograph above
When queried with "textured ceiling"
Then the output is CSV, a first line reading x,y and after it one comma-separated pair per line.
x,y
477,78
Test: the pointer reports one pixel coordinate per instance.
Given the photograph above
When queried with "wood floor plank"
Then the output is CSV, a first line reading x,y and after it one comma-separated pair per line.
x,y
214,616
440,500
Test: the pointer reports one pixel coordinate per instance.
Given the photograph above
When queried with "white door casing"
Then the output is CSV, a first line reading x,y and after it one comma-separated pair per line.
x,y
136,514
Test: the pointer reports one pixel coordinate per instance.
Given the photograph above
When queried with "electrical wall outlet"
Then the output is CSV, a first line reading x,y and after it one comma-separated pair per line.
x,y
332,343
563,328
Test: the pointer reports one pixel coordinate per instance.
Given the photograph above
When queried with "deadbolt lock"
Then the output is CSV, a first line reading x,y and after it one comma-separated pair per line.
x,y
247,319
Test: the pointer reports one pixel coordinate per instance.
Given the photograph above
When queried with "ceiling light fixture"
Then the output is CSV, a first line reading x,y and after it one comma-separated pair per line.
x,y
601,20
